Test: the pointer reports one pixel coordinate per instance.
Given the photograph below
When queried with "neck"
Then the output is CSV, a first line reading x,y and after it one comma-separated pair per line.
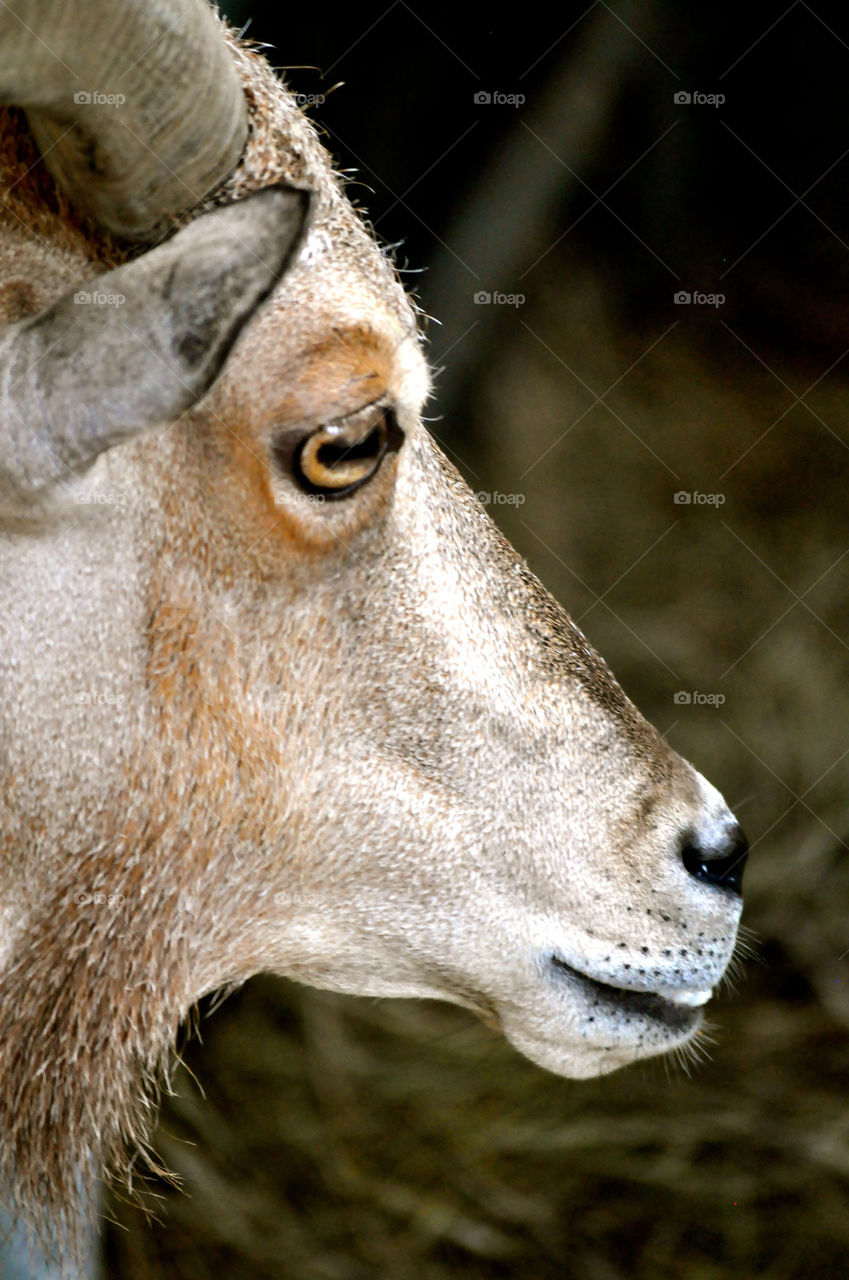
x,y
89,1008
163,904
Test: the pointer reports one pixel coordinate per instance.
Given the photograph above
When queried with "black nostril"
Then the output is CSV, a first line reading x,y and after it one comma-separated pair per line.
x,y
722,867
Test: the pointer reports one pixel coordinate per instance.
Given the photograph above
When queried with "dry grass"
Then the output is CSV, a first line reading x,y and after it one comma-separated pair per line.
x,y
342,1139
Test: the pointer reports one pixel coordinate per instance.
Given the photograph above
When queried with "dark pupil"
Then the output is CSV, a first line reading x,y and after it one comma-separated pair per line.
x,y
332,453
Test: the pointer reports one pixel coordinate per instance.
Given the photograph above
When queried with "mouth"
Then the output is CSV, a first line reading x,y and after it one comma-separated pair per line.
x,y
678,1010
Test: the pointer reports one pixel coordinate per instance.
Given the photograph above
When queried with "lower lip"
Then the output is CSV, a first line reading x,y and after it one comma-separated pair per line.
x,y
645,1004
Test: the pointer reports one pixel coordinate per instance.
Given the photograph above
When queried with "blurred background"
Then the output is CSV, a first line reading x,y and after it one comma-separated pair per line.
x,y
627,225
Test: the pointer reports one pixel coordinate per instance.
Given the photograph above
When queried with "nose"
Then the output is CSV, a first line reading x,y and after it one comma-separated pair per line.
x,y
720,866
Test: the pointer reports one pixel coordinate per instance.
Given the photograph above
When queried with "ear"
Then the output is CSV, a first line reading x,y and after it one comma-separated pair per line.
x,y
140,345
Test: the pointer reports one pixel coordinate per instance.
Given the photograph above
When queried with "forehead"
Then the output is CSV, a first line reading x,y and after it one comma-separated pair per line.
x,y
338,333
340,325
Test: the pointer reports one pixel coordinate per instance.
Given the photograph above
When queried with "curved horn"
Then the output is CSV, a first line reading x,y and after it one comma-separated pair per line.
x,y
136,105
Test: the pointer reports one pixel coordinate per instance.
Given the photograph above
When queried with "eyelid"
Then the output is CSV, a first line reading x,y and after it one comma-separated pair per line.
x,y
297,432
374,408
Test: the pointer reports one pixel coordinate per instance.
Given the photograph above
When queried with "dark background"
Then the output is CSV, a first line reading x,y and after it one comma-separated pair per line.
x,y
699,196
344,1138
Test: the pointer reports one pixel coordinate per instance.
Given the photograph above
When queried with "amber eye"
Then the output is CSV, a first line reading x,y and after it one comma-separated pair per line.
x,y
340,456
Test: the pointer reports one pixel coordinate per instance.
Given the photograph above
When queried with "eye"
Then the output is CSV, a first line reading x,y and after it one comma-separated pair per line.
x,y
340,456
